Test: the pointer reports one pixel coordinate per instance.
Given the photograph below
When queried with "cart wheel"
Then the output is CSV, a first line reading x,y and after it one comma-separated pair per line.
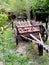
x,y
45,36
16,36
44,33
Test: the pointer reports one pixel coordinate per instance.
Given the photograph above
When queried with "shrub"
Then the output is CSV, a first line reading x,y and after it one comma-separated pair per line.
x,y
3,19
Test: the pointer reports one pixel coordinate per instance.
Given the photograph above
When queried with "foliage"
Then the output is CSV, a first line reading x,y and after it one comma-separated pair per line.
x,y
20,6
3,19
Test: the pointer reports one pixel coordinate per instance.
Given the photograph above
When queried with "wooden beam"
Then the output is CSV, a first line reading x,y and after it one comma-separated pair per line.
x,y
40,42
29,39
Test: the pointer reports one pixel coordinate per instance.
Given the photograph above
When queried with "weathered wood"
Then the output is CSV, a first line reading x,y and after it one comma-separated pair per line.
x,y
26,38
40,42
36,39
26,32
31,40
40,49
28,28
16,35
16,40
27,23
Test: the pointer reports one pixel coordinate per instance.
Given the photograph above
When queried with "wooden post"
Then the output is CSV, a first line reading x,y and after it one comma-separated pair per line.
x,y
16,40
40,49
17,33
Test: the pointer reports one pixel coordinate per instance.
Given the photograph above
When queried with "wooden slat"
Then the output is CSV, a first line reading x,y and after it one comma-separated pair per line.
x,y
29,31
26,24
26,32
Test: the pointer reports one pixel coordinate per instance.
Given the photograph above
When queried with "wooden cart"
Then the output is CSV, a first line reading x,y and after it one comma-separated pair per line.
x,y
32,31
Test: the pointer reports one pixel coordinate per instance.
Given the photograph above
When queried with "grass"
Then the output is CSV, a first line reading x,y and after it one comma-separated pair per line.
x,y
8,47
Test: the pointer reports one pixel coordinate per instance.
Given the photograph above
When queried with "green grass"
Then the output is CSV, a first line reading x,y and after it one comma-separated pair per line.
x,y
47,42
11,57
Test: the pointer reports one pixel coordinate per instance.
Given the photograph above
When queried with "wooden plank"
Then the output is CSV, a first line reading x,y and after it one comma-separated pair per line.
x,y
29,39
26,24
36,39
28,32
23,26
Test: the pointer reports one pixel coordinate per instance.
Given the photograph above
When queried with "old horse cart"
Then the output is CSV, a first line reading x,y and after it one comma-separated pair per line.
x,y
32,31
